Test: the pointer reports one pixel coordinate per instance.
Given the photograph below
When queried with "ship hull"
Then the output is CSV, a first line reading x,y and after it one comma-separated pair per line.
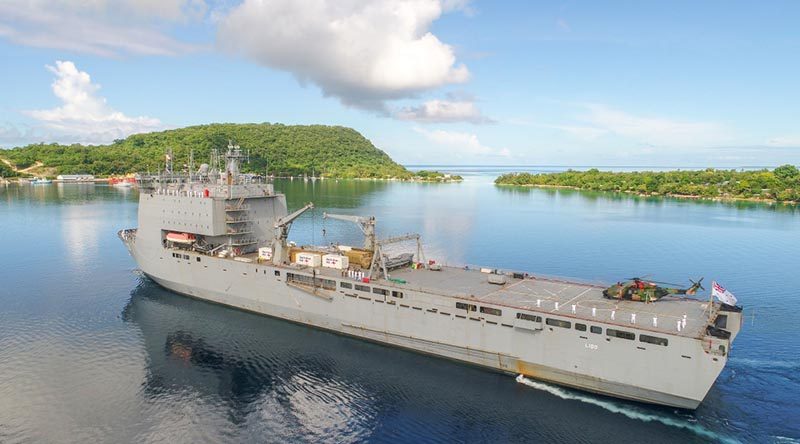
x,y
489,360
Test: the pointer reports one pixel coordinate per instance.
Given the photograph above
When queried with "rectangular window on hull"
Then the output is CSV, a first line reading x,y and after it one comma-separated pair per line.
x,y
529,317
328,284
362,288
468,307
580,327
558,323
382,291
299,279
345,285
596,330
397,294
622,334
653,340
492,311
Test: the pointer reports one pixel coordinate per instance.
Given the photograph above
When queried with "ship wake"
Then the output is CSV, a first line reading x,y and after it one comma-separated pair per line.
x,y
626,410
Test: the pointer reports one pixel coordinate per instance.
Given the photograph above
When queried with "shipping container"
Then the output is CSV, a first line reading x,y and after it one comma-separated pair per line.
x,y
336,261
265,253
309,259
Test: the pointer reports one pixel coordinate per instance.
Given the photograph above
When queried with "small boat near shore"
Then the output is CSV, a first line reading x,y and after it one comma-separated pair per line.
x,y
122,182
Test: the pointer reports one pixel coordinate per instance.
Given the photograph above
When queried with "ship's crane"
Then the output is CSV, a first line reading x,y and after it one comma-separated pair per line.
x,y
282,226
367,225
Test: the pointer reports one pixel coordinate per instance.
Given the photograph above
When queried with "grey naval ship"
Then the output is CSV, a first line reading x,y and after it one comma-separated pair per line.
x,y
219,235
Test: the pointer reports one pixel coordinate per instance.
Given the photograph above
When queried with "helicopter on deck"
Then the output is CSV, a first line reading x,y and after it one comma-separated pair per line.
x,y
642,290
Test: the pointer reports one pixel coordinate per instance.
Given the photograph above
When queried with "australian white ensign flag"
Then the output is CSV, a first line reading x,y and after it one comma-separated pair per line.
x,y
722,294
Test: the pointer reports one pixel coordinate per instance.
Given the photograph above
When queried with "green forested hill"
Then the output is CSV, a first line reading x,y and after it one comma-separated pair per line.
x,y
781,184
287,149
5,171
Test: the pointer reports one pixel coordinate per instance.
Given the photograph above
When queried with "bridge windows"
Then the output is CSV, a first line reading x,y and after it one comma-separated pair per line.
x,y
653,340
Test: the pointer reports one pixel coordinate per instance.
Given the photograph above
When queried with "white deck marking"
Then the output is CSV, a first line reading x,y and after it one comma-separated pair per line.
x,y
576,297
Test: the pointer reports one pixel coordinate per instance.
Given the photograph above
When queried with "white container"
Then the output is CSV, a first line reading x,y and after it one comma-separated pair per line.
x,y
337,261
265,253
487,270
309,259
500,279
344,248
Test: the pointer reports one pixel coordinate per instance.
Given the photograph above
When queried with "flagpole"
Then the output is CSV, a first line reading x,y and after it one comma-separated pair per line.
x,y
711,300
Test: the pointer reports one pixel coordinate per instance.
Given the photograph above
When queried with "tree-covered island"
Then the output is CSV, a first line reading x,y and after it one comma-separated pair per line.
x,y
436,176
779,185
275,149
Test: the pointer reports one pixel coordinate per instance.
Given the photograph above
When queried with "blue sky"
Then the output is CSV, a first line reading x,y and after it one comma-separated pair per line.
x,y
428,81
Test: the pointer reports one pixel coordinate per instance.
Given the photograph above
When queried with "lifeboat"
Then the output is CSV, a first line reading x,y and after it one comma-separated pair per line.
x,y
122,181
181,238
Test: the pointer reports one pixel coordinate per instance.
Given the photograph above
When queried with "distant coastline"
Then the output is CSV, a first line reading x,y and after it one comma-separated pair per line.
x,y
781,185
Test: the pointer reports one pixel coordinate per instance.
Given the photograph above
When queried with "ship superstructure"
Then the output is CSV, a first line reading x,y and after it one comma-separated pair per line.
x,y
220,235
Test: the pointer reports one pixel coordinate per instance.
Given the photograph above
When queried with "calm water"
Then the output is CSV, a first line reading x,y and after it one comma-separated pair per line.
x,y
90,351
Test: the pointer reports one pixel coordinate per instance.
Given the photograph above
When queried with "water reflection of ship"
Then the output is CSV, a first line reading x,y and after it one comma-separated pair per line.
x,y
240,358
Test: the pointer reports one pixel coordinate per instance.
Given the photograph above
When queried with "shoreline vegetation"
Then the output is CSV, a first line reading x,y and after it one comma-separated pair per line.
x,y
330,152
780,185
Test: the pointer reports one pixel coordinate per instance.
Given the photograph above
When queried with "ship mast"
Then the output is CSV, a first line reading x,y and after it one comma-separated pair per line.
x,y
233,159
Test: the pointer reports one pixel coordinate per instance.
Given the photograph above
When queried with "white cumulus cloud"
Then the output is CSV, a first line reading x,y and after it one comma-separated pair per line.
x,y
444,111
363,52
462,144
101,27
84,116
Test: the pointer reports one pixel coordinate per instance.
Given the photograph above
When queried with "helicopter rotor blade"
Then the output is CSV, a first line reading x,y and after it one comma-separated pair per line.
x,y
699,283
667,283
640,278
